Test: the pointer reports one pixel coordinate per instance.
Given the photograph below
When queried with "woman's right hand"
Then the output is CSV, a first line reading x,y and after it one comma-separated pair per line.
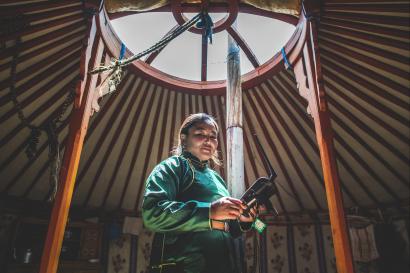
x,y
226,208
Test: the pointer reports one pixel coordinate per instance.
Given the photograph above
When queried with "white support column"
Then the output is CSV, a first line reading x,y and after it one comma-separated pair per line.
x,y
234,132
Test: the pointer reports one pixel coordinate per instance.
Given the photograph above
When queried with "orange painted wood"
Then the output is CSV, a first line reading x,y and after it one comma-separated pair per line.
x,y
78,128
310,82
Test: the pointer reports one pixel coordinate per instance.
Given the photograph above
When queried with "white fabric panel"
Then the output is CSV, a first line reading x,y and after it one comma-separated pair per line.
x,y
251,259
277,248
119,254
305,248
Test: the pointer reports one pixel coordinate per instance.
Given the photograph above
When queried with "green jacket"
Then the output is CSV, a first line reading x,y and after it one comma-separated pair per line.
x,y
176,205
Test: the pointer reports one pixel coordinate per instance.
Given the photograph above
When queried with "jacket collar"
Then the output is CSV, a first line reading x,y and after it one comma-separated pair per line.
x,y
198,164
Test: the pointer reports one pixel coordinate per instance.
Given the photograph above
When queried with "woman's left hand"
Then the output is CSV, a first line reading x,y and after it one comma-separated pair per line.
x,y
252,214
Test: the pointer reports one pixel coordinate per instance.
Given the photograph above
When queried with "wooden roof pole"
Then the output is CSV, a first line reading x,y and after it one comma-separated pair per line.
x,y
90,58
234,131
310,84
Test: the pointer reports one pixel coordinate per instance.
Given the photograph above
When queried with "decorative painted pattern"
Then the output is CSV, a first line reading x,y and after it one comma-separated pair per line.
x,y
118,254
277,248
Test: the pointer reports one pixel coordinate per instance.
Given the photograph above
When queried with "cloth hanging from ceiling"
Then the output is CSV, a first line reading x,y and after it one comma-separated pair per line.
x,y
291,7
363,244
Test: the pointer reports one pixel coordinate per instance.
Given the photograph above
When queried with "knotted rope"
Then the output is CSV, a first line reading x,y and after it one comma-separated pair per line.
x,y
114,78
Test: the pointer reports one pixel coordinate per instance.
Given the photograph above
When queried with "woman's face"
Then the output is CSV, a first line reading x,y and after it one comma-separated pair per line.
x,y
201,140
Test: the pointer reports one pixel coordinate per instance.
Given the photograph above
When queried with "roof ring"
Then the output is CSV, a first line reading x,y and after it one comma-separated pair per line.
x,y
293,49
219,26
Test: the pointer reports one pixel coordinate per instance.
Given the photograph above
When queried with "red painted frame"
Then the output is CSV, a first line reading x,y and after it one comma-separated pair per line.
x,y
275,64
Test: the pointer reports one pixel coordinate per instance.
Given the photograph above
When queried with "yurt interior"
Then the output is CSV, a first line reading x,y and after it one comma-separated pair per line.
x,y
312,101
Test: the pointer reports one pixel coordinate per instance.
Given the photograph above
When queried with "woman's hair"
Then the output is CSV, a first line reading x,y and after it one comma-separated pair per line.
x,y
188,123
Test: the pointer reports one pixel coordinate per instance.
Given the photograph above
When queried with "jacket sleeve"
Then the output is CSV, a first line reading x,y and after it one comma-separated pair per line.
x,y
161,211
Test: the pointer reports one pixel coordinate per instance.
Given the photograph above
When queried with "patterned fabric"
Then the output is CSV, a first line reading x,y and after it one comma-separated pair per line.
x,y
277,248
250,251
306,249
144,250
119,254
7,223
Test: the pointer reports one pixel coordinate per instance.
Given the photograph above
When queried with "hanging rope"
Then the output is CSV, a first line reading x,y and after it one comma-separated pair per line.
x,y
159,45
49,126
114,78
206,22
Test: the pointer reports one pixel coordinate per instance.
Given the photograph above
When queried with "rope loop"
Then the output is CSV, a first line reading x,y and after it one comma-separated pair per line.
x,y
116,65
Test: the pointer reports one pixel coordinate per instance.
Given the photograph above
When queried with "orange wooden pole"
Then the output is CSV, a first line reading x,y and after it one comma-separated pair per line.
x,y
78,128
310,83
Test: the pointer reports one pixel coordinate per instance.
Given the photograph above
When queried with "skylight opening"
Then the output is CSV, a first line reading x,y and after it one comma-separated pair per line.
x,y
182,56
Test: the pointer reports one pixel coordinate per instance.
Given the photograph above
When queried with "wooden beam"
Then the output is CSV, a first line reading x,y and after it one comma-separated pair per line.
x,y
220,107
70,39
219,117
173,125
48,104
95,123
63,11
149,98
301,114
40,92
366,7
20,8
376,30
19,127
271,144
78,128
281,138
126,101
42,76
345,88
244,46
234,123
248,126
338,65
37,178
365,47
366,79
354,2
370,62
397,21
42,26
125,143
54,59
154,129
204,56
43,40
310,82
117,123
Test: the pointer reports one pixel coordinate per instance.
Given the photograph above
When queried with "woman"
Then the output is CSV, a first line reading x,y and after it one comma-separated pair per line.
x,y
187,204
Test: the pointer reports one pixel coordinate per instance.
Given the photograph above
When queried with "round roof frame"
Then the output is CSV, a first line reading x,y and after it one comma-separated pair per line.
x,y
219,26
274,65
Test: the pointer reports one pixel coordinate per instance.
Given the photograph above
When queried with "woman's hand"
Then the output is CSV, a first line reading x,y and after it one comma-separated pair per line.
x,y
226,208
252,214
